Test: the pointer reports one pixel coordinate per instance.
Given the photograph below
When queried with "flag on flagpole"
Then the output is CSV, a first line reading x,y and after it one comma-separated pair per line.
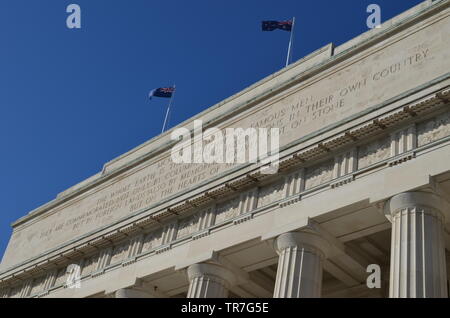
x,y
273,25
282,25
165,92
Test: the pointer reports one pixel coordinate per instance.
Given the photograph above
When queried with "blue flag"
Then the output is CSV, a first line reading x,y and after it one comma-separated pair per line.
x,y
272,25
165,92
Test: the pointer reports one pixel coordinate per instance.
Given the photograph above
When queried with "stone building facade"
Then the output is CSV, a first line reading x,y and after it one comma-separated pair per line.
x,y
364,178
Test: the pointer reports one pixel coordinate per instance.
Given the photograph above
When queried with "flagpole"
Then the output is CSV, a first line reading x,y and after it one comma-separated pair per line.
x,y
168,109
291,40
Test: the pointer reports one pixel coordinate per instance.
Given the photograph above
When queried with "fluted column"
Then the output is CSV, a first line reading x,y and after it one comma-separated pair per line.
x,y
418,266
209,281
131,293
300,265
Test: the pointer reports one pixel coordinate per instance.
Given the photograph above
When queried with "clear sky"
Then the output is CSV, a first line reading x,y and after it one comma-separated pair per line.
x,y
73,99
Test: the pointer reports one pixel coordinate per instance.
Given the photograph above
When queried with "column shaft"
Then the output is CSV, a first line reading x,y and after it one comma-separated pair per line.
x,y
418,266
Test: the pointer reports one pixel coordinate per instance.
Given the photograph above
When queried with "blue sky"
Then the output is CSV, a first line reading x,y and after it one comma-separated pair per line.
x,y
71,100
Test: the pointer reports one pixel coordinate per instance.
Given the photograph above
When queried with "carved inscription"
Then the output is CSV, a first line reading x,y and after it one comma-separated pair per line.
x,y
308,111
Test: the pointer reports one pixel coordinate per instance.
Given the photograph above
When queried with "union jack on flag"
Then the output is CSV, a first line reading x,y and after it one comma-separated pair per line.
x,y
165,92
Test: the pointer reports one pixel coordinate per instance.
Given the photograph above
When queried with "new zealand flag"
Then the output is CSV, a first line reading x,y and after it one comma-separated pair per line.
x,y
162,92
272,25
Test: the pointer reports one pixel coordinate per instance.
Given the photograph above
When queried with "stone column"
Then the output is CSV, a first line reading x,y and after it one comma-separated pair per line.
x,y
132,293
209,281
300,266
418,267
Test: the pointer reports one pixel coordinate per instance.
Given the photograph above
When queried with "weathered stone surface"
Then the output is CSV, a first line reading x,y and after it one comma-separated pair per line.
x,y
188,225
270,193
374,152
152,240
227,210
319,174
89,264
434,129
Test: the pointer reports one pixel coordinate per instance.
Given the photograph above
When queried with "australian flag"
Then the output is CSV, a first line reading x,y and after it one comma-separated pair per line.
x,y
165,92
272,25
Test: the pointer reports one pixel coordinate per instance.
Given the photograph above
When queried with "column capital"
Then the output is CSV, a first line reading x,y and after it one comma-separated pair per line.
x,y
406,200
308,240
300,266
212,271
